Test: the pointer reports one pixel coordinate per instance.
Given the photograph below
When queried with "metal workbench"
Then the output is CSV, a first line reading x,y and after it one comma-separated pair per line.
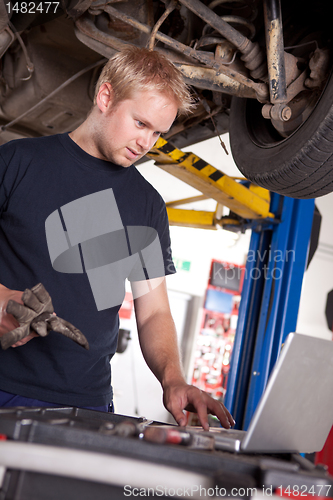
x,y
70,453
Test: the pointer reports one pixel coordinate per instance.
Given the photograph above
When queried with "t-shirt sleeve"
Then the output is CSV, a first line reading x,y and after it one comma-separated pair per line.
x,y
164,235
151,247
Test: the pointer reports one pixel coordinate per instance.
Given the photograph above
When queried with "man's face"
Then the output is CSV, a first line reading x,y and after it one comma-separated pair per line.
x,y
129,130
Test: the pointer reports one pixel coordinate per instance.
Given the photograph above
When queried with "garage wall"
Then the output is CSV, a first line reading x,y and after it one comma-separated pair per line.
x,y
318,279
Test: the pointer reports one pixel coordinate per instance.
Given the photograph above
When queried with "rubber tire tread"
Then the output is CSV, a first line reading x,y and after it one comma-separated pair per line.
x,y
299,167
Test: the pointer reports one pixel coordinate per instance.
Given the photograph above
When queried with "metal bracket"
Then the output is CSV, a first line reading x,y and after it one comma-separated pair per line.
x,y
250,202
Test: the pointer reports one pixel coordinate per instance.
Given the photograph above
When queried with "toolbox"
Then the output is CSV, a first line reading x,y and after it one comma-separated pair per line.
x,y
69,453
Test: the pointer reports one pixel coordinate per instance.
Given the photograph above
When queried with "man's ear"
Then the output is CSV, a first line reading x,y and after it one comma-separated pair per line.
x,y
104,97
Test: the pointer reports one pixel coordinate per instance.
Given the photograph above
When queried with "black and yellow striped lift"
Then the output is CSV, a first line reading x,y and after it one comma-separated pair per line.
x,y
251,202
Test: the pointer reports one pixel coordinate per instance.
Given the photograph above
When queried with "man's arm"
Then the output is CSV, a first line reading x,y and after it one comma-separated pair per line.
x,y
158,341
7,321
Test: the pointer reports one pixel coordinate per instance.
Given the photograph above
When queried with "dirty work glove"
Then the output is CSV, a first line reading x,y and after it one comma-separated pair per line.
x,y
37,313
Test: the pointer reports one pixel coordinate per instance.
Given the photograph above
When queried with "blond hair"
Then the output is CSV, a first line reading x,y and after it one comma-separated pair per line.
x,y
139,69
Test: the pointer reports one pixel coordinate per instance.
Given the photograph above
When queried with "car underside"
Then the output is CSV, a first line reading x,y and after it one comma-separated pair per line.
x,y
258,69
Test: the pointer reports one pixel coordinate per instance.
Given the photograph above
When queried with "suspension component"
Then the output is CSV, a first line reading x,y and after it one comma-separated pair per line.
x,y
88,28
275,51
171,5
276,112
254,58
212,37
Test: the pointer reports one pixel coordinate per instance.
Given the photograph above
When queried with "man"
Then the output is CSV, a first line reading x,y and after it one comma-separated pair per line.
x,y
78,217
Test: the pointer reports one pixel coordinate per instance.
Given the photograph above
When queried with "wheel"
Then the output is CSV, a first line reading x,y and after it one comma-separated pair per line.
x,y
295,162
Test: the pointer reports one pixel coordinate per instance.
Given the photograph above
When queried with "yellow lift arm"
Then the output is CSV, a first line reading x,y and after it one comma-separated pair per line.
x,y
251,202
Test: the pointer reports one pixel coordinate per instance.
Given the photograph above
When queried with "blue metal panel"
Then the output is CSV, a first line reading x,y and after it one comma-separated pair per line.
x,y
270,300
295,267
238,347
246,328
287,260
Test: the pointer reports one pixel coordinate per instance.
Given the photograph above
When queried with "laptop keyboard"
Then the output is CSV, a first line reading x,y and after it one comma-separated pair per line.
x,y
232,433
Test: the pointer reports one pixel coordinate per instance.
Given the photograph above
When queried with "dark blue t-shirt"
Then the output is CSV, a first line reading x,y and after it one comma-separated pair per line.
x,y
80,226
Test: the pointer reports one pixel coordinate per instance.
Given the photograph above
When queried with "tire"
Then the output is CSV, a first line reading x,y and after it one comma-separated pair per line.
x,y
299,166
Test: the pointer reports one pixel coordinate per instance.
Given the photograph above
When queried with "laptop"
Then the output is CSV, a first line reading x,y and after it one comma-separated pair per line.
x,y
295,413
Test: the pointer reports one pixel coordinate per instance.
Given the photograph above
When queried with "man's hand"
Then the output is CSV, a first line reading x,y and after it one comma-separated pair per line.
x,y
7,321
181,396
34,313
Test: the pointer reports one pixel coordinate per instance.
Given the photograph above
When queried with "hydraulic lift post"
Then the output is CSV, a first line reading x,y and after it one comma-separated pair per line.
x,y
270,300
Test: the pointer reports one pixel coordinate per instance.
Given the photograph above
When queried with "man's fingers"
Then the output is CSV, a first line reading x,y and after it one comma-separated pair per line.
x,y
202,415
220,411
25,340
202,403
178,415
229,416
37,313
